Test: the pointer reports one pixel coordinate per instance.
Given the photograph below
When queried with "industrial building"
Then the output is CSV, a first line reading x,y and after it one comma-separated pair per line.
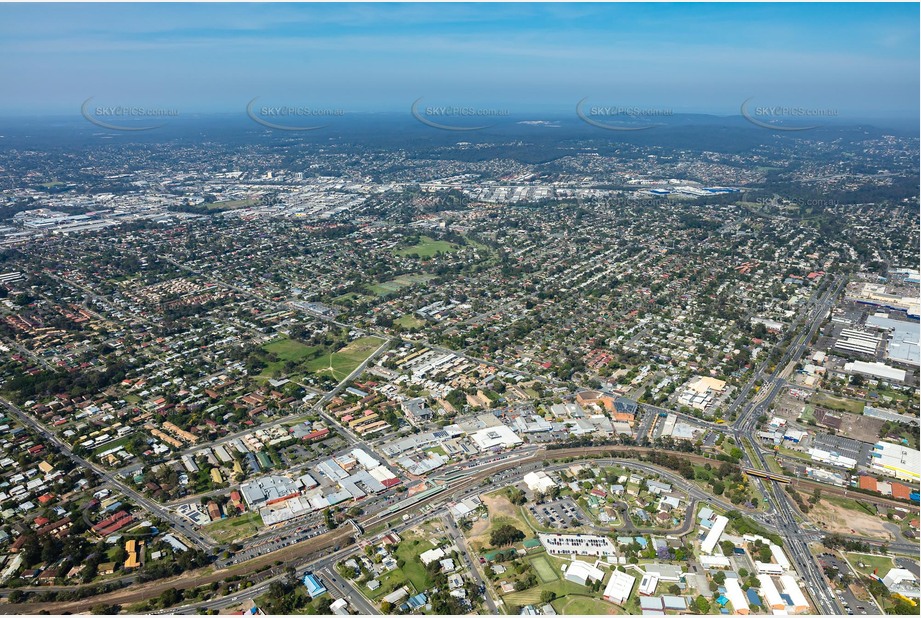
x,y
876,371
896,460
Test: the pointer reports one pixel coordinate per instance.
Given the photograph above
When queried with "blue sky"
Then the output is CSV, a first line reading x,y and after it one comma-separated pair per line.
x,y
859,59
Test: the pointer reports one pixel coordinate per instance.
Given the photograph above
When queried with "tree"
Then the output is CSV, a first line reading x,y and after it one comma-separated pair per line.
x,y
547,595
702,604
505,534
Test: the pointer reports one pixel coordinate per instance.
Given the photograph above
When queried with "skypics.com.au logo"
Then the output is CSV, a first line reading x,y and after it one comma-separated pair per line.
x,y
784,118
290,117
454,116
619,117
126,117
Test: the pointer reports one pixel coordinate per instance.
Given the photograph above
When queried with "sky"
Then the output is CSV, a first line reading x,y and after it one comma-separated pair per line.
x,y
860,60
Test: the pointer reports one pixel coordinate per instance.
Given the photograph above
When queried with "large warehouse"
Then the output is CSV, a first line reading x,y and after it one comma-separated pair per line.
x,y
896,460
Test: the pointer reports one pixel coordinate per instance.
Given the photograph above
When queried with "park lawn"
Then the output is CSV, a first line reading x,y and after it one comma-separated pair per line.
x,y
573,605
132,398
427,247
287,350
290,349
340,364
561,587
409,321
841,404
882,563
113,444
351,296
397,284
233,528
409,550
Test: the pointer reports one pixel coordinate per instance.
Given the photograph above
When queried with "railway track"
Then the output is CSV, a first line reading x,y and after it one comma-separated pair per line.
x,y
269,565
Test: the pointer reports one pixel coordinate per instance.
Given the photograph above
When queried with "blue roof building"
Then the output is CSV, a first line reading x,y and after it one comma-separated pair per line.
x,y
313,585
753,599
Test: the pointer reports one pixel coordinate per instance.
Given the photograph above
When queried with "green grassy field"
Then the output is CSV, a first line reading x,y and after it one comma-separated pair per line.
x,y
577,605
427,247
837,403
390,581
111,445
290,350
351,296
340,364
409,321
561,587
409,550
233,528
397,284
287,350
882,563
543,568
851,504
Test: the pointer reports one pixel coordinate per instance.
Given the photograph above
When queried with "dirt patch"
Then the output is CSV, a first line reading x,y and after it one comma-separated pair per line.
x,y
500,510
846,521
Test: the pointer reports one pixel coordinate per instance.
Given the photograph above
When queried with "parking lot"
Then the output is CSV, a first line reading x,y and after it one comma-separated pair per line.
x,y
564,513
852,605
844,446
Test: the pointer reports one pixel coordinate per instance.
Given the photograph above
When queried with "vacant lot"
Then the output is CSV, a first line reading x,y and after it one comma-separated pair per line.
x,y
881,564
234,528
501,512
853,520
837,403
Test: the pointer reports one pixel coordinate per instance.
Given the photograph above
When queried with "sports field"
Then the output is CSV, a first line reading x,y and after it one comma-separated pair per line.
x,y
545,571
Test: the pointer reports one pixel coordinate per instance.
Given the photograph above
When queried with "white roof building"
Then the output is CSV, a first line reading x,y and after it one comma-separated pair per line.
x,y
880,371
902,581
769,593
736,596
538,481
491,437
768,568
713,537
896,460
583,573
430,556
780,557
648,584
791,589
619,587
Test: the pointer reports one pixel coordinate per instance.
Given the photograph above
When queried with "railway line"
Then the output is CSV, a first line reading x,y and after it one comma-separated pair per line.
x,y
272,564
